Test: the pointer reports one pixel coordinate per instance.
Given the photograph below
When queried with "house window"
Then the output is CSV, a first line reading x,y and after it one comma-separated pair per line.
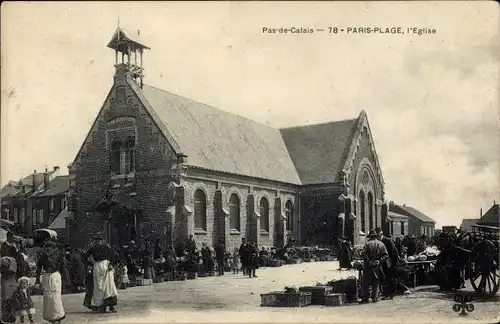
x,y
122,156
289,216
34,218
362,210
40,217
234,212
402,228
51,204
264,214
15,216
421,230
200,210
64,202
392,228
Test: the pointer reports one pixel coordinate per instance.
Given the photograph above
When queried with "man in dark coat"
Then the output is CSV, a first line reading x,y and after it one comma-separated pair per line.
x,y
375,255
220,251
244,255
390,264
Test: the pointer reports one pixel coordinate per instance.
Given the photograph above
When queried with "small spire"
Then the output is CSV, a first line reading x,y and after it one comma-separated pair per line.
x,y
118,20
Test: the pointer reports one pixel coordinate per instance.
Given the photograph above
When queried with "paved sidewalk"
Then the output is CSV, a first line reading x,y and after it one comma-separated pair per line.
x,y
235,298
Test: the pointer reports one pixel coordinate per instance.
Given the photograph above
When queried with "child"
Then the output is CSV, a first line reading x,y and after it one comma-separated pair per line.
x,y
21,299
124,280
236,265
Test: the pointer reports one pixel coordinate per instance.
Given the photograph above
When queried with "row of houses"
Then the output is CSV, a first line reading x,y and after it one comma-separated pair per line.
x,y
38,200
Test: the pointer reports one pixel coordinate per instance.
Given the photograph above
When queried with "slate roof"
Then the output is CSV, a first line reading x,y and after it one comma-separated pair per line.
x,y
467,224
391,214
319,151
57,186
217,140
491,217
410,211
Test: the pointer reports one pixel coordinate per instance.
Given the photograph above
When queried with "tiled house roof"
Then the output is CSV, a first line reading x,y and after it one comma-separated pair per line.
x,y
57,186
491,217
410,211
467,224
319,151
217,140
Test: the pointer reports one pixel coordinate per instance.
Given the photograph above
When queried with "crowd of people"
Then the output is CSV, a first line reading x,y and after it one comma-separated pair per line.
x,y
101,270
383,263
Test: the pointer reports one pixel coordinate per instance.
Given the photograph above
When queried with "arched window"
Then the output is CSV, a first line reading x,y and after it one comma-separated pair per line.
x,y
289,216
362,210
200,210
115,157
234,212
129,154
264,214
122,155
370,210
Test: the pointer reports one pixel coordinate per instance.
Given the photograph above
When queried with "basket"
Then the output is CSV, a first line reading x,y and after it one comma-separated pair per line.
x,y
318,293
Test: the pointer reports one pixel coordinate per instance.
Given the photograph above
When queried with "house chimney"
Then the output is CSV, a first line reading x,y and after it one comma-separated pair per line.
x,y
481,212
46,180
34,184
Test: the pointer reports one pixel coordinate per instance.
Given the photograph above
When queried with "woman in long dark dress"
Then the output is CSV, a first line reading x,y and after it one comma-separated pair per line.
x,y
89,285
104,289
345,255
77,271
8,269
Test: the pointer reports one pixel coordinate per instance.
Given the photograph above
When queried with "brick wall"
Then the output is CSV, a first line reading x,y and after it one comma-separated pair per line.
x,y
154,158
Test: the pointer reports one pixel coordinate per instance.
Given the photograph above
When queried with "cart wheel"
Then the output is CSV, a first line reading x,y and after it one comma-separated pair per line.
x,y
483,268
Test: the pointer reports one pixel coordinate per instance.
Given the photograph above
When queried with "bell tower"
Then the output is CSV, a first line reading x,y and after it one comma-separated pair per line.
x,y
129,45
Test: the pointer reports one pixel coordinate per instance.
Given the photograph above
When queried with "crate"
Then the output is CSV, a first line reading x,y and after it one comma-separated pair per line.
x,y
335,299
192,275
282,299
346,286
318,293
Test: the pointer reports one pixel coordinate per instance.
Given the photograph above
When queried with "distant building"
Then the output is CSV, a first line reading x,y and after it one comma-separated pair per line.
x,y
418,222
398,224
467,224
156,165
491,217
16,204
49,205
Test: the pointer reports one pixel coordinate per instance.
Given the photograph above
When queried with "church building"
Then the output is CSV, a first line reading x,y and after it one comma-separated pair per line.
x,y
155,165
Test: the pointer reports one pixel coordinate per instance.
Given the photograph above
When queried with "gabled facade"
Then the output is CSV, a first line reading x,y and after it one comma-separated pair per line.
x,y
418,223
157,165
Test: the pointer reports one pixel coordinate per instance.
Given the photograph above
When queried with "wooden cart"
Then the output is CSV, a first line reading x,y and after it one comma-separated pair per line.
x,y
483,266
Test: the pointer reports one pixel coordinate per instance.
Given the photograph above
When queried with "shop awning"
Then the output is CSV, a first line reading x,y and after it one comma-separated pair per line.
x,y
60,221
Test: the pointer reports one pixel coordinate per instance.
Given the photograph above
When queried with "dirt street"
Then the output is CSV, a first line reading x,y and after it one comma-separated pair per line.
x,y
234,298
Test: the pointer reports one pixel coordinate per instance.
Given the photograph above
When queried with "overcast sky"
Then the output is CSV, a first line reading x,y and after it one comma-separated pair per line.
x,y
432,100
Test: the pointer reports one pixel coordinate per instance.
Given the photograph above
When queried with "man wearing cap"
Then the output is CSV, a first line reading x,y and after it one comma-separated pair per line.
x,y
389,266
375,254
